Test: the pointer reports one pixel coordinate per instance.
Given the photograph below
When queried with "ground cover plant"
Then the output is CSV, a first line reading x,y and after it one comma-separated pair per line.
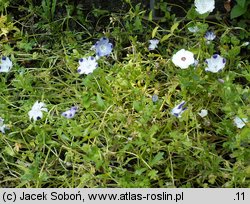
x,y
93,98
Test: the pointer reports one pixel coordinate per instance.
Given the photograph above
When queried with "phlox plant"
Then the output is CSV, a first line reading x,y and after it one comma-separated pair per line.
x,y
123,100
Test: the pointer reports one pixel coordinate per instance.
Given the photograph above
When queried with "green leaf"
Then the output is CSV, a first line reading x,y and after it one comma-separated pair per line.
x,y
242,3
8,150
165,37
150,16
138,24
137,106
99,100
153,174
174,27
154,31
237,11
156,159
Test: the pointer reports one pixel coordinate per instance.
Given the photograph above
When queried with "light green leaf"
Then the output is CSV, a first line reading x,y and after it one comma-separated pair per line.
x,y
165,37
154,31
99,100
174,27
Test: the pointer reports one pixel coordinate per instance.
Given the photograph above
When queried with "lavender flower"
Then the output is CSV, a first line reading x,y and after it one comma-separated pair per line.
x,y
178,110
103,47
210,36
70,113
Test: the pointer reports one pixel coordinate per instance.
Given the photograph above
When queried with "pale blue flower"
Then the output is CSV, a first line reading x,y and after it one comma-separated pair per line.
x,y
203,113
221,81
87,65
70,113
193,29
2,126
103,47
210,36
196,62
240,122
215,63
6,64
154,98
153,44
178,110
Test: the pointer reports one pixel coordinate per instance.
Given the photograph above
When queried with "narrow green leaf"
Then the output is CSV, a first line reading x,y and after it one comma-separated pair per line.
x,y
150,16
154,31
174,27
165,37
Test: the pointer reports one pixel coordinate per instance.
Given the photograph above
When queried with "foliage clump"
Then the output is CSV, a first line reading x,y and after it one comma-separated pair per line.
x,y
123,99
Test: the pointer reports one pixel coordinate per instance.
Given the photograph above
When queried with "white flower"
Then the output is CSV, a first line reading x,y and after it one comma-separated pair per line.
x,y
240,122
183,59
215,63
193,29
204,6
245,44
221,81
2,126
178,110
87,65
203,113
210,36
153,44
36,111
5,65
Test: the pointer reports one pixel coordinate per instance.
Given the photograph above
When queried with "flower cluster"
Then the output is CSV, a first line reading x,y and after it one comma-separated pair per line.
x,y
184,59
102,48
